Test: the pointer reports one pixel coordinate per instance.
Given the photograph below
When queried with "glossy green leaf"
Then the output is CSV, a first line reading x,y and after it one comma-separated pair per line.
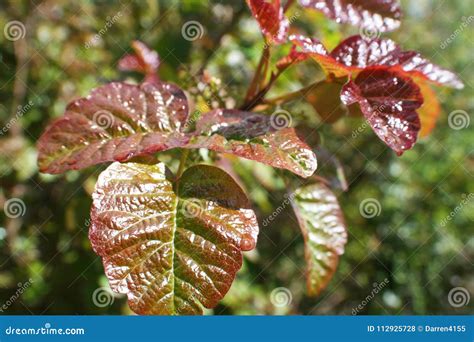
x,y
173,247
324,231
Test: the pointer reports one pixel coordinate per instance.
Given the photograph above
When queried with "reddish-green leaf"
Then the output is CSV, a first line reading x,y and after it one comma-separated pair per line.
x,y
388,100
256,137
116,122
119,121
315,49
272,20
324,231
379,15
171,247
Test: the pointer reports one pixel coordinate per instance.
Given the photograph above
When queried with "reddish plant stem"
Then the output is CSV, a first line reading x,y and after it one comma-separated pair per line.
x,y
253,88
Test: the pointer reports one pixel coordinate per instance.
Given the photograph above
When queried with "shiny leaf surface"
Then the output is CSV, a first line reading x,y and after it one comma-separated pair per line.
x,y
256,137
315,49
388,101
357,53
119,121
324,231
377,15
116,122
272,20
172,248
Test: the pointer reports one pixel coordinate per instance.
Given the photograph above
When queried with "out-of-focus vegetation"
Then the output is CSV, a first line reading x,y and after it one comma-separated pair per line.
x,y
72,46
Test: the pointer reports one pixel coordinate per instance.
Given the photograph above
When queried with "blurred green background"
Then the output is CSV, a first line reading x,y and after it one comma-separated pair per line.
x,y
70,47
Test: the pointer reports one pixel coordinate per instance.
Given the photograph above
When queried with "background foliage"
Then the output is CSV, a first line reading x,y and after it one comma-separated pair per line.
x,y
71,47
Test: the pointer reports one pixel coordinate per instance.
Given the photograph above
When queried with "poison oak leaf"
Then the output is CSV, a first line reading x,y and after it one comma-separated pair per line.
x,y
271,19
256,137
313,48
116,122
173,247
324,231
376,15
357,53
388,101
119,121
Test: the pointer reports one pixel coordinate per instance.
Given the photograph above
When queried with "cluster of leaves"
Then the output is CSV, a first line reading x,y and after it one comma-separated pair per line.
x,y
173,242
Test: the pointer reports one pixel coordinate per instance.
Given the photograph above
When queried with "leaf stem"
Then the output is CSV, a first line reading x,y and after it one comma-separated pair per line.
x,y
182,162
293,95
253,88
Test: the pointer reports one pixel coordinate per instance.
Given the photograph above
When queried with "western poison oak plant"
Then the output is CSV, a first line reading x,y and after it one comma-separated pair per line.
x,y
173,241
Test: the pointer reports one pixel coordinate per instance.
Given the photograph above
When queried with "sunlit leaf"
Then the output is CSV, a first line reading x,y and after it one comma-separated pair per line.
x,y
256,137
316,50
173,247
324,231
272,20
388,101
379,15
118,122
357,53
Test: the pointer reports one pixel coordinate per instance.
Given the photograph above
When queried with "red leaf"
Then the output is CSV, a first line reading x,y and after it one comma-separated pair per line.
x,y
357,52
315,49
144,60
116,122
119,121
388,100
171,247
379,15
272,20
